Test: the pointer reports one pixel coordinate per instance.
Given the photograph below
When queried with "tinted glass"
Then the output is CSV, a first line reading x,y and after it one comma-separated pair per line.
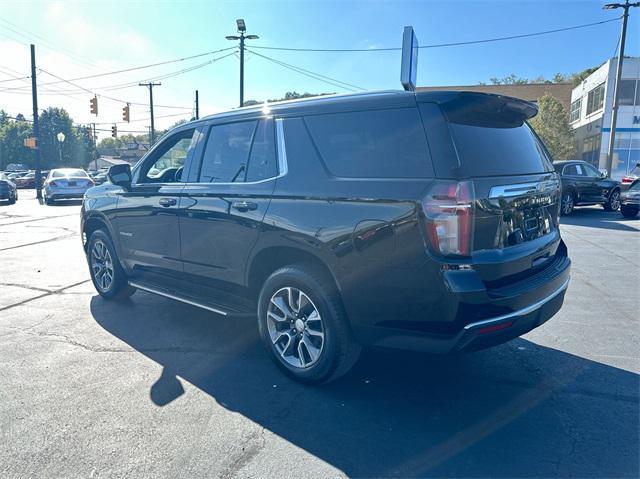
x,y
262,161
627,92
494,150
635,186
571,170
369,144
227,151
590,171
169,159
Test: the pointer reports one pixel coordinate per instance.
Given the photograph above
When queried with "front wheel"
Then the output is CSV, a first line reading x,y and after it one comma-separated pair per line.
x,y
567,204
613,203
303,325
629,211
106,272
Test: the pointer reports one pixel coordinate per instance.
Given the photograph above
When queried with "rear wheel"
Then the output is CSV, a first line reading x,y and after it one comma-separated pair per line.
x,y
629,211
48,201
568,203
303,325
107,275
613,203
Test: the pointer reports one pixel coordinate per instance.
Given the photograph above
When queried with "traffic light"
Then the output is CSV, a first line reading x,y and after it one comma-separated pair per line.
x,y
125,113
94,105
114,131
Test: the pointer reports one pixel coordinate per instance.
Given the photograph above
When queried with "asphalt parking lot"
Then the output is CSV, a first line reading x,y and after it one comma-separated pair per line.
x,y
155,388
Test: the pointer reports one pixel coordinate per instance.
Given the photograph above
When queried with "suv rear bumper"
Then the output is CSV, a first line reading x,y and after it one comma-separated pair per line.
x,y
469,315
481,334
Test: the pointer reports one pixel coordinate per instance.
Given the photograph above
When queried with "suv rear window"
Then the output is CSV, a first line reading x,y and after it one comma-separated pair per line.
x,y
492,138
372,144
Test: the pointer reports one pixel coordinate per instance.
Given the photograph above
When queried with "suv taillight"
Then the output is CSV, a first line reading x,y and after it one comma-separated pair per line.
x,y
627,179
448,210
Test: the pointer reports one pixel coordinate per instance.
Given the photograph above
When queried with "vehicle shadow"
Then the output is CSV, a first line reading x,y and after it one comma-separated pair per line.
x,y
595,217
65,203
518,410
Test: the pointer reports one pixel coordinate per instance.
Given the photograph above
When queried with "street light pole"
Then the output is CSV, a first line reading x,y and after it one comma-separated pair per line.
x,y
242,28
616,89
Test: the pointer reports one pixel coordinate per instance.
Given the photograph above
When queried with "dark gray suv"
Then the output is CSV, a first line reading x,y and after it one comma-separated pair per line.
x,y
426,221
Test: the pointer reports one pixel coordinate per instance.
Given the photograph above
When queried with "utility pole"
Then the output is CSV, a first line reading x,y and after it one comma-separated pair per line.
x,y
36,127
150,85
95,142
616,91
197,106
242,28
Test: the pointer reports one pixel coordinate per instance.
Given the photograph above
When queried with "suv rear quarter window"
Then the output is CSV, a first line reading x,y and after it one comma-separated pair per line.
x,y
372,144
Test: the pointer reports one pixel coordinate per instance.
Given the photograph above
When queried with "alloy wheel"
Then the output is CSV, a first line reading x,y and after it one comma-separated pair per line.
x,y
295,327
102,265
567,203
614,201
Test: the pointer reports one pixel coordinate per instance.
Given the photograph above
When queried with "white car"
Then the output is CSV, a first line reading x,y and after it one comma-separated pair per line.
x,y
66,183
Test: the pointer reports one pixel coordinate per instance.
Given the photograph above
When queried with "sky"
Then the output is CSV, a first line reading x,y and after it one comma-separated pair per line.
x,y
80,38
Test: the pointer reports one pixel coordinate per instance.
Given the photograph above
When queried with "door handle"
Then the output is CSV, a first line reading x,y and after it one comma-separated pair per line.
x,y
244,205
166,202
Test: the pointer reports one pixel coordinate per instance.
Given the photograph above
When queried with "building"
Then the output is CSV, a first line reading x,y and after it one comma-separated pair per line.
x,y
133,151
590,116
526,91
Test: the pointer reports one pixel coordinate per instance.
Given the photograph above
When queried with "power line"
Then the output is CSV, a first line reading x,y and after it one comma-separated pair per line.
x,y
308,73
124,70
119,100
441,45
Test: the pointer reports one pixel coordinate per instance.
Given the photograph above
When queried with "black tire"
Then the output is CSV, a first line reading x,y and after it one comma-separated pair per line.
x,y
49,201
629,211
613,203
118,287
339,350
567,203
12,201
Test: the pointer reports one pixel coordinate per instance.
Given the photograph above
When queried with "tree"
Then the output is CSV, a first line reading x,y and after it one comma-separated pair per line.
x,y
290,95
552,125
12,149
52,122
577,78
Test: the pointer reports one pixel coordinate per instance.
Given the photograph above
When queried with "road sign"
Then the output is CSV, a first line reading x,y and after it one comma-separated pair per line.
x,y
409,68
30,143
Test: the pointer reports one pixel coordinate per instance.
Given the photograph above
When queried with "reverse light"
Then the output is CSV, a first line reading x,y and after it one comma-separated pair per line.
x,y
448,210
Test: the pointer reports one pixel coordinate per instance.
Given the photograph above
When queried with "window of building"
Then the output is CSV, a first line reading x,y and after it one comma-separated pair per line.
x,y
627,92
595,100
591,149
575,110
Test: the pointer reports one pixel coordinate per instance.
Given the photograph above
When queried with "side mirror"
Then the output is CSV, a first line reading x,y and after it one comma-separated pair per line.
x,y
120,175
603,172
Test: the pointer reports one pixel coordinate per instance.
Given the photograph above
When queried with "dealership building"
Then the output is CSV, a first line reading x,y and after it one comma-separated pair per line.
x,y
590,116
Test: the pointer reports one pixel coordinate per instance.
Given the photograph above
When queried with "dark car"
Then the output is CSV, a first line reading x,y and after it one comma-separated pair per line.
x,y
425,221
584,185
630,200
26,181
630,177
8,190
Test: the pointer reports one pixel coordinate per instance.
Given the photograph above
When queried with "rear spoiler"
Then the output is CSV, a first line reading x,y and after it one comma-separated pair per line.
x,y
484,109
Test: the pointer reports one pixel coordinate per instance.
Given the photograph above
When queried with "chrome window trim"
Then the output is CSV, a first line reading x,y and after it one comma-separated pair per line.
x,y
281,158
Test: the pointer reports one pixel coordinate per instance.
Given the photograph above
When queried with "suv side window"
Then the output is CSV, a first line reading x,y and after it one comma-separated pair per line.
x,y
167,163
590,171
227,152
262,160
570,170
372,144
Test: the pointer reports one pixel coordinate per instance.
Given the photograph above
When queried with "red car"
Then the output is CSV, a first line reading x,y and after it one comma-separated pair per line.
x,y
630,177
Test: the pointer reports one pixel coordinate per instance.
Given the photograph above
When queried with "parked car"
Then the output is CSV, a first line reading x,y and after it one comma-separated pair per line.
x,y
66,183
583,184
8,190
343,221
13,176
630,177
27,180
100,177
630,200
